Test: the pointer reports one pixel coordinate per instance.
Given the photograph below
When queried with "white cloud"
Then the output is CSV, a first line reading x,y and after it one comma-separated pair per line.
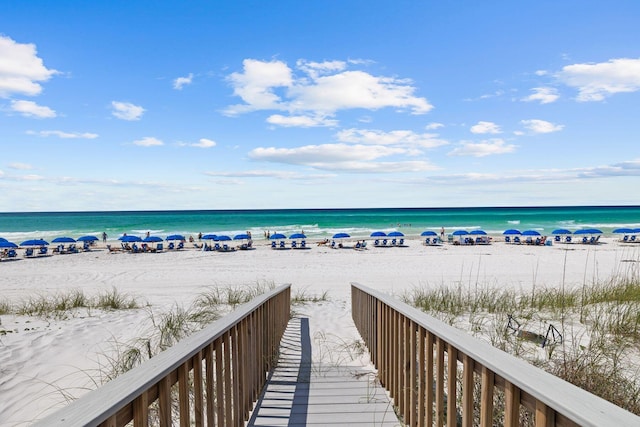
x,y
63,135
148,141
482,149
434,126
322,89
21,70
300,121
127,111
541,126
545,95
204,143
597,81
285,175
31,109
180,82
341,157
396,137
20,166
485,127
256,83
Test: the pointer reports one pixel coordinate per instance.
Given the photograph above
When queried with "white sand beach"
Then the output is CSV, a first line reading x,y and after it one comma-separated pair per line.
x,y
45,362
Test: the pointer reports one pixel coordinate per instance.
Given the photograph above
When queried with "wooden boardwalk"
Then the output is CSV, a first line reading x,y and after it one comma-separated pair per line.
x,y
301,392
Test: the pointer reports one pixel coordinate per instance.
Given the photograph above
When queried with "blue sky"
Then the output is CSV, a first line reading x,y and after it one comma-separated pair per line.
x,y
128,105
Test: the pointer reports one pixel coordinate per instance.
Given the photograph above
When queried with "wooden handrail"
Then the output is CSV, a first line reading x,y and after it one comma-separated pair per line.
x,y
423,362
219,372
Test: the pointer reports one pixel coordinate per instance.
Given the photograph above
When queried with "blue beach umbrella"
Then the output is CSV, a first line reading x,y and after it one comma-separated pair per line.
x,y
429,233
34,242
341,236
561,231
8,245
623,230
395,234
277,236
530,233
478,232
222,238
87,239
209,237
175,237
63,240
460,233
296,236
152,239
378,234
636,230
241,237
511,232
588,231
130,239
3,240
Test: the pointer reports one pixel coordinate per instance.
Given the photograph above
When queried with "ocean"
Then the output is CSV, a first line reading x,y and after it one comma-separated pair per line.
x,y
316,223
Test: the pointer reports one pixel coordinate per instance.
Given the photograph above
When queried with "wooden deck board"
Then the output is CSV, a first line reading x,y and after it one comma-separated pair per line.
x,y
303,393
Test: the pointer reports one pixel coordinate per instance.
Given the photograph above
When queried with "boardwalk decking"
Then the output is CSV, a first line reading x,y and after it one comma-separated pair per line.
x,y
301,392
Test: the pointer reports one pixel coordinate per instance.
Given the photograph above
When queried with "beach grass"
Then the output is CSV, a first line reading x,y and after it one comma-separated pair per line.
x,y
599,323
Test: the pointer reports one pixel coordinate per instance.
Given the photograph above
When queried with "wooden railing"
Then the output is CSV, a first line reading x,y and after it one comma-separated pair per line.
x,y
211,378
438,375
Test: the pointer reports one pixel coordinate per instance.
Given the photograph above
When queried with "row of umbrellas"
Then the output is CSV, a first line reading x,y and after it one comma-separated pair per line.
x,y
4,243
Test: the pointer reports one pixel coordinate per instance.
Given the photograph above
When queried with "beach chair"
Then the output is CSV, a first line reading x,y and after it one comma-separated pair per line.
x,y
557,238
282,245
294,245
516,240
585,240
401,242
384,242
28,252
376,242
172,246
273,244
159,247
427,241
364,244
507,239
180,246
625,238
333,244
303,244
632,238
393,242
43,250
86,247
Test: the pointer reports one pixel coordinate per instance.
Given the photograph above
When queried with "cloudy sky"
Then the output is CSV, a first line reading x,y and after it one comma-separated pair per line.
x,y
121,105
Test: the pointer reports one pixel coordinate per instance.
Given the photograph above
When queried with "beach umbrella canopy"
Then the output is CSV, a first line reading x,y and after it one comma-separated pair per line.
x,y
87,239
63,240
561,231
460,233
429,233
34,242
478,232
297,236
6,244
3,240
222,238
378,234
130,239
395,234
152,239
209,237
588,231
511,232
341,236
636,230
530,233
241,237
175,237
278,236
623,230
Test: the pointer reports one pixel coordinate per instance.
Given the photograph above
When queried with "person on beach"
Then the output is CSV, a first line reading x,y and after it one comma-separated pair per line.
x,y
199,236
104,237
442,233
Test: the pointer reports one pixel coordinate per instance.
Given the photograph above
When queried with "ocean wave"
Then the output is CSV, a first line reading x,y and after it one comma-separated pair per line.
x,y
514,222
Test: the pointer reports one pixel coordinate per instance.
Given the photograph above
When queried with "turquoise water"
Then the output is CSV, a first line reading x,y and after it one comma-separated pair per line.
x,y
316,223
